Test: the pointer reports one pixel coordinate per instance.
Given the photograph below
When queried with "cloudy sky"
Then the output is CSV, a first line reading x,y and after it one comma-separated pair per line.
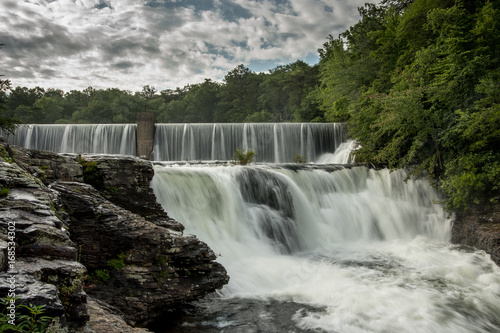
x,y
126,44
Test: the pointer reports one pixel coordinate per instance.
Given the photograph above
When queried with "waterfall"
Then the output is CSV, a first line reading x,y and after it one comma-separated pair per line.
x,y
322,248
278,142
95,138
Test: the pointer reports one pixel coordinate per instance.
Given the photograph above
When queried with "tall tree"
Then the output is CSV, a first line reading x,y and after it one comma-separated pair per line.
x,y
7,123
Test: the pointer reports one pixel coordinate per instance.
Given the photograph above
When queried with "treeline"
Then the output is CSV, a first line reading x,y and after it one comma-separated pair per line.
x,y
243,96
418,84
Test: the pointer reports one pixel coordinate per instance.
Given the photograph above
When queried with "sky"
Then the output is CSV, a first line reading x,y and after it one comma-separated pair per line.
x,y
127,44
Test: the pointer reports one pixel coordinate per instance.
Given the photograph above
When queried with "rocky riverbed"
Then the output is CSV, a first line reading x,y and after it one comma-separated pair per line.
x,y
93,245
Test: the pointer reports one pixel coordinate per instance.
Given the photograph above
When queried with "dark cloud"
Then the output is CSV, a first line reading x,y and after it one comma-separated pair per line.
x,y
125,65
103,4
72,44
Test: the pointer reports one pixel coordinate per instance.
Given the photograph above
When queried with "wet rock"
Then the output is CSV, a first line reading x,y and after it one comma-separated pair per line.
x,y
31,291
48,166
125,181
479,227
48,251
154,269
105,318
30,220
136,258
12,175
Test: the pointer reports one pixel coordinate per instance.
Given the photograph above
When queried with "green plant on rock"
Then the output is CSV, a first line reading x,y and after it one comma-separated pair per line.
x,y
299,159
27,318
70,287
117,263
5,155
111,189
91,173
4,191
243,158
99,276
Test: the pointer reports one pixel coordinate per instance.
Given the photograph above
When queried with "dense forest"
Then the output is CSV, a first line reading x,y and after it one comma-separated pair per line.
x,y
417,82
243,96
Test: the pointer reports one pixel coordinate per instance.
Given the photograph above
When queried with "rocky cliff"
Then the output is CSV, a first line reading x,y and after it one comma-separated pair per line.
x,y
90,226
479,227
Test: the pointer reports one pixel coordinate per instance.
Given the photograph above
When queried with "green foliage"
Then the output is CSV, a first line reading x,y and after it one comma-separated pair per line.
x,y
68,288
91,173
111,189
6,155
299,159
117,263
418,84
99,276
103,276
4,191
8,124
27,318
243,158
284,94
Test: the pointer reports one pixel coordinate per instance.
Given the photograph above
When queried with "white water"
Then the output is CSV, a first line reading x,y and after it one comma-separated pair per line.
x,y
95,138
273,142
366,250
342,155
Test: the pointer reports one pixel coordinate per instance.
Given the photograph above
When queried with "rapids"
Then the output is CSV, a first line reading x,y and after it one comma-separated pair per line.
x,y
329,249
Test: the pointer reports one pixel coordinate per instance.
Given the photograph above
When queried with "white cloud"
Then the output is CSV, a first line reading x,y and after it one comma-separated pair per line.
x,y
72,44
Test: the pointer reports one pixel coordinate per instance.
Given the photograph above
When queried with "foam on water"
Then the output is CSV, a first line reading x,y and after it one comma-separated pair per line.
x,y
368,249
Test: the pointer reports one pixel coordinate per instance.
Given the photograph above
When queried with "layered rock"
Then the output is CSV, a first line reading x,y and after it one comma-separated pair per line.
x,y
142,268
45,256
479,227
116,244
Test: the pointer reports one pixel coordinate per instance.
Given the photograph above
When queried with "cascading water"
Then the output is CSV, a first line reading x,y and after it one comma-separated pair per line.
x,y
329,249
273,142
309,248
96,138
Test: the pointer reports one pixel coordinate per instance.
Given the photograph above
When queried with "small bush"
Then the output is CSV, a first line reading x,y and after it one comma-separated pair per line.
x,y
100,276
27,318
91,173
242,157
4,191
299,159
117,263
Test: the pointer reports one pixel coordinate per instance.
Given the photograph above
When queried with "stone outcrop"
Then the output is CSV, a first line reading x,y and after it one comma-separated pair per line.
x,y
151,268
124,180
479,227
45,256
114,243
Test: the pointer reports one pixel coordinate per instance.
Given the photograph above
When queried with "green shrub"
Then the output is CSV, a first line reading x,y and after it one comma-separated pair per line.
x,y
100,276
4,191
242,157
117,263
27,318
91,173
299,159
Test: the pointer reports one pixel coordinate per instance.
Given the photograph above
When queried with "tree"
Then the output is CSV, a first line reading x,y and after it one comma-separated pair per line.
x,y
7,124
241,92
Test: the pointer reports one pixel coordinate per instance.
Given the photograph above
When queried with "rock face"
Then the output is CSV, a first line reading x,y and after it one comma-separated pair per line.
x,y
479,227
45,256
115,242
148,267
